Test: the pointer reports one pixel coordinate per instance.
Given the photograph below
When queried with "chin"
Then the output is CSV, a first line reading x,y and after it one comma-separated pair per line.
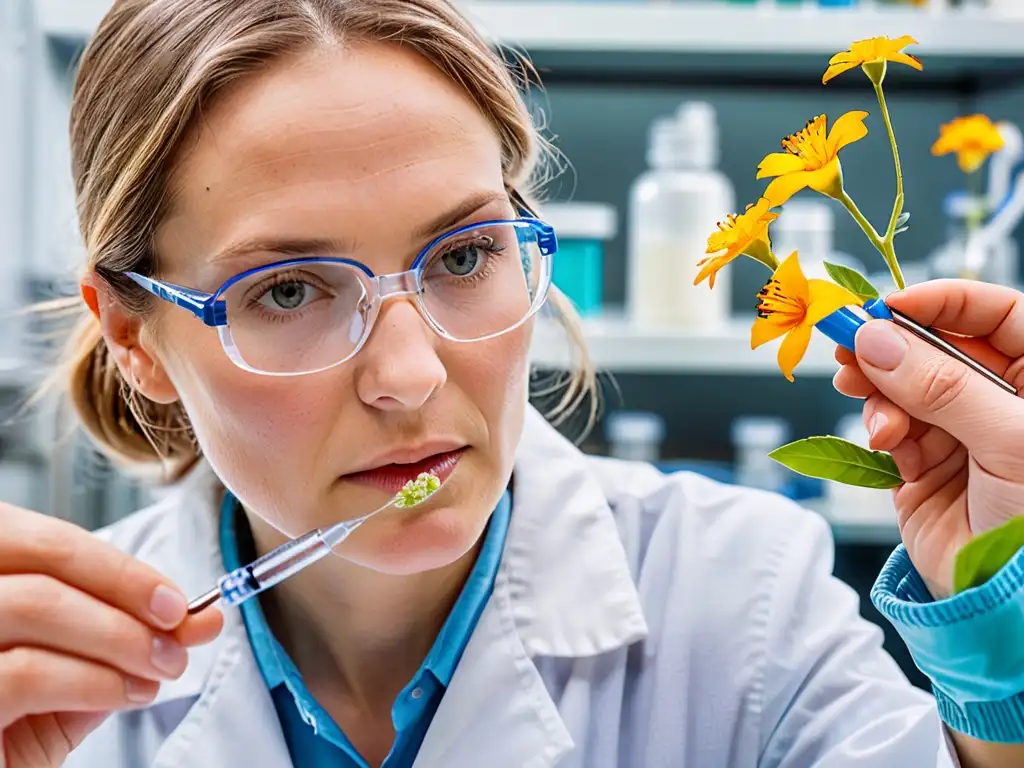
x,y
420,541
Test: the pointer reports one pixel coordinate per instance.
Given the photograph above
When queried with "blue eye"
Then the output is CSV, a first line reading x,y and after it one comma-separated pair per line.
x,y
461,261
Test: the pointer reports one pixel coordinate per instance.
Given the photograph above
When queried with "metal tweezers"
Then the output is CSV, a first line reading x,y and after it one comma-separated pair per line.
x,y
937,341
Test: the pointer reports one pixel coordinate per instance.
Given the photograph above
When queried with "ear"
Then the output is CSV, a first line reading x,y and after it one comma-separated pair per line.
x,y
122,333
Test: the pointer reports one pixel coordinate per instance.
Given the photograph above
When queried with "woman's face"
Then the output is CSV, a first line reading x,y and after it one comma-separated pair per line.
x,y
373,149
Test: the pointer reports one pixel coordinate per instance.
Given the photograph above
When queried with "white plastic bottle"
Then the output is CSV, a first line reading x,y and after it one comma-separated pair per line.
x,y
674,206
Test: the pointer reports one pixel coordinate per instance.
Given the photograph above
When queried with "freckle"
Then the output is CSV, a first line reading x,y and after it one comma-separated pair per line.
x,y
207,189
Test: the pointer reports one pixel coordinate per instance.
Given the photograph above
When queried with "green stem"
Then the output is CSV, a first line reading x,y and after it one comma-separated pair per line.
x,y
897,207
889,254
888,248
884,245
861,219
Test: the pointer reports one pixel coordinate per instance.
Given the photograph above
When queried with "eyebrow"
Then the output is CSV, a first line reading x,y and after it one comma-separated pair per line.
x,y
291,246
459,213
316,246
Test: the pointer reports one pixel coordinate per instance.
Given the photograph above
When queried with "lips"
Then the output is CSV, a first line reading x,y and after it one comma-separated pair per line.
x,y
391,477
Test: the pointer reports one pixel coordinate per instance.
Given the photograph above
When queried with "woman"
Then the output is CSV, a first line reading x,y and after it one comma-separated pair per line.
x,y
244,170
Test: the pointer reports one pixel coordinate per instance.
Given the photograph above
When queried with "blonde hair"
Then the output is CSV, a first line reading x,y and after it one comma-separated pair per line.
x,y
142,82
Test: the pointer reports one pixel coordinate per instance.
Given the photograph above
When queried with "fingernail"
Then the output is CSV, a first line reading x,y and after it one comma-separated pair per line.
x,y
168,606
139,691
877,423
168,656
880,345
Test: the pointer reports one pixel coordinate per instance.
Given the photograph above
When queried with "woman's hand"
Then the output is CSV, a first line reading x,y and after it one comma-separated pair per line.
x,y
958,439
84,630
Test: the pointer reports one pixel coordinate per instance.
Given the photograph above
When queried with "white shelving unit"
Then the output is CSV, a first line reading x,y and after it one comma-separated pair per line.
x,y
717,27
707,27
616,346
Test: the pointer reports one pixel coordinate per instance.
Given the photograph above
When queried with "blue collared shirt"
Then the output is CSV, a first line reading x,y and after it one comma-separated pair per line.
x,y
313,738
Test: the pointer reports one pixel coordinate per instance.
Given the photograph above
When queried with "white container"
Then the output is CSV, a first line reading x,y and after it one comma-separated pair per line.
x,y
674,206
807,225
850,503
635,435
753,438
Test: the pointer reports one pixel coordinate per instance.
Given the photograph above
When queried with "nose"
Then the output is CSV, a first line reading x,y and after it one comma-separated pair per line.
x,y
399,368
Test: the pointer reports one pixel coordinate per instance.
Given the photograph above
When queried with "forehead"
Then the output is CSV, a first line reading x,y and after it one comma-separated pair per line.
x,y
333,139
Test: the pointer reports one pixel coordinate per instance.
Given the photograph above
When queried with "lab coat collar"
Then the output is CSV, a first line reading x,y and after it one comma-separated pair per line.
x,y
564,589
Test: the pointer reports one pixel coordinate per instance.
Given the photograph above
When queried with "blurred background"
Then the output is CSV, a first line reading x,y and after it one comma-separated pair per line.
x,y
661,111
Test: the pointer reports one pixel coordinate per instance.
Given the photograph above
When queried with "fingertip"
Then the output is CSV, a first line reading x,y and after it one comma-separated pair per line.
x,y
888,426
202,628
844,356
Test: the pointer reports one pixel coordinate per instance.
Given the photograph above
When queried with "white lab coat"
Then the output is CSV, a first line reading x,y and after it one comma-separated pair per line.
x,y
636,620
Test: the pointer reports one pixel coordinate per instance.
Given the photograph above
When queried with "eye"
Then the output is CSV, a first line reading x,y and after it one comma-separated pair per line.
x,y
288,295
461,261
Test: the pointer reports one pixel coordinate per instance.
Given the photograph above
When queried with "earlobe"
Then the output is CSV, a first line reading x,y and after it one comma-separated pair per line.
x,y
122,333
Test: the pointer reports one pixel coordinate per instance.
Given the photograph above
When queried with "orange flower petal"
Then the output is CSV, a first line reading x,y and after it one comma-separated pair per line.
x,y
835,70
784,187
779,164
825,298
906,58
767,329
971,159
793,349
846,130
828,180
711,268
902,42
791,280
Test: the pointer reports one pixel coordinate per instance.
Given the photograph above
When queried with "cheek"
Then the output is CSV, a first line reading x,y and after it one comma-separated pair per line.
x,y
494,374
259,433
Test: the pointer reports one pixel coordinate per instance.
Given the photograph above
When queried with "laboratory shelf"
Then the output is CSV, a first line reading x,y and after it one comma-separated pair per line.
x,y
716,41
850,531
616,346
629,41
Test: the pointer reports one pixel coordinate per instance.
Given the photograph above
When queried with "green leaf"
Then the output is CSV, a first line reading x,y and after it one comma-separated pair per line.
x,y
986,554
851,280
903,219
901,230
832,458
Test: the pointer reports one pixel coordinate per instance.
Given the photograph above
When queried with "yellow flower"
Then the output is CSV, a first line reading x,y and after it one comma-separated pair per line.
x,y
743,234
791,304
811,158
871,55
973,138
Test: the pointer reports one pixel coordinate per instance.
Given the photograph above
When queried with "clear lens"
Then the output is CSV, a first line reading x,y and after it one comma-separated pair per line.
x,y
310,315
483,281
298,318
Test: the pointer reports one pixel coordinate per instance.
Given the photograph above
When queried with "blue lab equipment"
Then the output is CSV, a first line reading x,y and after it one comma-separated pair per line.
x,y
841,326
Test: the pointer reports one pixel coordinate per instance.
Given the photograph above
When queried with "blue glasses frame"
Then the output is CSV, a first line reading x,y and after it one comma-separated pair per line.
x,y
212,309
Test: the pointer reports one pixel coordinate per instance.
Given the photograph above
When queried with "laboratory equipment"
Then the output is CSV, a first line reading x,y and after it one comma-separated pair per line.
x,y
753,438
986,252
989,252
583,230
288,559
854,504
635,435
842,325
674,206
807,225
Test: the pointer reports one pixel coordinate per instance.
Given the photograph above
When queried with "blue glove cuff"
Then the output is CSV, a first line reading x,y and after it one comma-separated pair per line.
x,y
968,645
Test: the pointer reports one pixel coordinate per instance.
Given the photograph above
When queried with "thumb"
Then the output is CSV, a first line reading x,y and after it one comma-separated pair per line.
x,y
938,389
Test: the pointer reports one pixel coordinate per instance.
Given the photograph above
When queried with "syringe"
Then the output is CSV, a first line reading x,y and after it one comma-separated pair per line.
x,y
239,585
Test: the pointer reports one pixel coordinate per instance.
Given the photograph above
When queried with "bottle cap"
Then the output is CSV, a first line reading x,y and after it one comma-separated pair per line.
x,y
687,139
634,427
582,221
766,432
